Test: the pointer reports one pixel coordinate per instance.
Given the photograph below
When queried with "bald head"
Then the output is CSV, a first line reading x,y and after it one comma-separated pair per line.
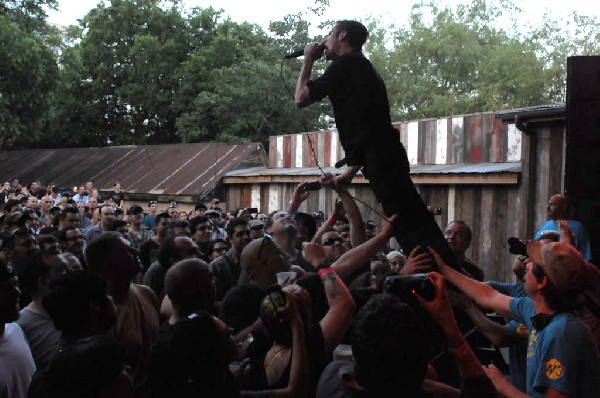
x,y
558,207
262,259
189,285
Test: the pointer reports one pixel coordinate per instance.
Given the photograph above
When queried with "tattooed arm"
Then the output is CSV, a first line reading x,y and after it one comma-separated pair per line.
x,y
341,308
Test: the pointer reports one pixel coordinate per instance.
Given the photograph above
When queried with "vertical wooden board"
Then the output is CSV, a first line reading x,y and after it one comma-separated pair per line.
x,y
449,139
273,197
501,270
486,136
430,127
556,158
422,143
255,196
326,149
404,135
458,140
513,143
497,144
287,151
475,139
486,230
311,144
272,152
264,198
413,142
279,152
441,144
320,148
299,150
334,148
542,175
451,212
440,199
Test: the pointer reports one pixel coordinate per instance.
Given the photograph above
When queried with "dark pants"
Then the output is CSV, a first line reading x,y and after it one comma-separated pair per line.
x,y
387,169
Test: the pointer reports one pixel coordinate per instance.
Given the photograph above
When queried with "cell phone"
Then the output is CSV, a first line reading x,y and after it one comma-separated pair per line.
x,y
277,296
517,246
312,186
405,286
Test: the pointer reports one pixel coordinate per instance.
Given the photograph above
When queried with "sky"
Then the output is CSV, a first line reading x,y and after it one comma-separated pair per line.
x,y
387,11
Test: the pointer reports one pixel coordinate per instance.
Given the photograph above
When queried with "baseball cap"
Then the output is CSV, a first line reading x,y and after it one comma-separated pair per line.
x,y
215,201
564,266
256,224
550,234
135,209
212,213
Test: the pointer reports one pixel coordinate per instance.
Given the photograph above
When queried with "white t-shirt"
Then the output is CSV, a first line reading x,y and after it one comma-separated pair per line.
x,y
17,367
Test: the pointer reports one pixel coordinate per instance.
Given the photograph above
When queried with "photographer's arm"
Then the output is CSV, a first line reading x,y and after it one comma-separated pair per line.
x,y
299,196
440,311
482,293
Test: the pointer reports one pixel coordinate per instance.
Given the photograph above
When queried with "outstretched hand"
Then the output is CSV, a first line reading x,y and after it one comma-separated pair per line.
x,y
300,195
313,253
417,263
387,229
439,309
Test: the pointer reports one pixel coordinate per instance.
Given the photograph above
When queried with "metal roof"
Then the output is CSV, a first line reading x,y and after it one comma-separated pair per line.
x,y
176,169
533,111
460,168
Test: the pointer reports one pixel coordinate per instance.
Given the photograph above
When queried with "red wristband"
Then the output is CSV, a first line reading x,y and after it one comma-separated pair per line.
x,y
324,271
460,351
293,203
330,220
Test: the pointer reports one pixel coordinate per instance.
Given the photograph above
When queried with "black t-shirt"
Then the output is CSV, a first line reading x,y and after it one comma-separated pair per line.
x,y
148,253
360,104
117,197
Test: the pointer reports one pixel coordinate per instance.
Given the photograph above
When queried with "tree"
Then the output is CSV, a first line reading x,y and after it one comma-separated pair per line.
x,y
28,72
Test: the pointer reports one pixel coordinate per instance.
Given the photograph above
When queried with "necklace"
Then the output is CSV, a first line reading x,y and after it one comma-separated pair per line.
x,y
275,356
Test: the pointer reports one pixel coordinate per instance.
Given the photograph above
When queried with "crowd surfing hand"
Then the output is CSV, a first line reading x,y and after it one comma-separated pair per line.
x,y
313,253
337,183
387,228
439,309
300,195
417,263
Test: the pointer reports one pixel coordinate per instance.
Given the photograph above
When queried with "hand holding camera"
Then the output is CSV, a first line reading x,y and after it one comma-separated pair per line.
x,y
439,308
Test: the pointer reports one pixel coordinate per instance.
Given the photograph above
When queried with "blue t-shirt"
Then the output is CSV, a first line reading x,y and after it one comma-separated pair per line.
x,y
581,239
562,356
517,351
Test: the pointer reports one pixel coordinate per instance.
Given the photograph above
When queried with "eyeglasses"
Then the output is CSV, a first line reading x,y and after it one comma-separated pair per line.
x,y
331,241
265,239
220,249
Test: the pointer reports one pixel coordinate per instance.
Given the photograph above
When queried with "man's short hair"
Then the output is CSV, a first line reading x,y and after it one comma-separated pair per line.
x,y
8,241
194,222
62,234
390,346
200,207
33,270
235,222
99,250
356,32
69,297
68,210
159,216
114,224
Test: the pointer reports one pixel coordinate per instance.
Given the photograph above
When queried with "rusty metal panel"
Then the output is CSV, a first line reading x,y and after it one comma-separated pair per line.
x,y
178,169
287,151
497,141
458,140
475,138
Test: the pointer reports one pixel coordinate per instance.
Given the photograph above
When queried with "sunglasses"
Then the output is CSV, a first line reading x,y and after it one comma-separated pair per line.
x,y
331,241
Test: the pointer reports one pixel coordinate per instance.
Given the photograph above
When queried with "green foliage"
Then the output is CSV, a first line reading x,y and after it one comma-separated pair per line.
x,y
148,71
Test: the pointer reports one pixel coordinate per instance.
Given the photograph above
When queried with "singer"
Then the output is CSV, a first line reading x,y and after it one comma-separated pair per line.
x,y
361,109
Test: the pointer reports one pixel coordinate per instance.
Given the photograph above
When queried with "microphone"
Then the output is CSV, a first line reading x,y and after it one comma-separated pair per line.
x,y
300,53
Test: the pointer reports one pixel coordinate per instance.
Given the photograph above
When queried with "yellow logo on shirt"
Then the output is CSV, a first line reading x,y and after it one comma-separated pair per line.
x,y
532,344
522,330
554,369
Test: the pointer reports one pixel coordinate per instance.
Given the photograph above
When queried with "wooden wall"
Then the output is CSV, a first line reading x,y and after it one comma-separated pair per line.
x,y
460,139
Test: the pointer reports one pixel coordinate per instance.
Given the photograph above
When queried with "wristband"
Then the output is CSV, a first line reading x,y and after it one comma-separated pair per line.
x,y
330,220
324,271
293,203
461,350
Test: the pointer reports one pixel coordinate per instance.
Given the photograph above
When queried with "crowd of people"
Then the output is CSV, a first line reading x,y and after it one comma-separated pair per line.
x,y
144,302
101,301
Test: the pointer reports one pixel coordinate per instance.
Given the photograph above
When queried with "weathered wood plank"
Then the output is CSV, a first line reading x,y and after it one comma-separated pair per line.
x,y
441,144
475,139
486,136
458,140
413,142
326,149
429,151
497,141
287,151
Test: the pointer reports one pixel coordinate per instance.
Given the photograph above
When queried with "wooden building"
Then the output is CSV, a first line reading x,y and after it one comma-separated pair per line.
x,y
495,171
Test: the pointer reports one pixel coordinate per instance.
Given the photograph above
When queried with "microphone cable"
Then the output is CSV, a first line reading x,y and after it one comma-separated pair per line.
x,y
304,126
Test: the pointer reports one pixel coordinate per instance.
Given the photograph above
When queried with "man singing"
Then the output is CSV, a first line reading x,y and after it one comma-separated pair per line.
x,y
360,105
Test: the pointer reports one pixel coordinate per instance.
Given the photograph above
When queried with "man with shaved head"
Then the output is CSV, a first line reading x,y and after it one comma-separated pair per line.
x,y
558,209
189,286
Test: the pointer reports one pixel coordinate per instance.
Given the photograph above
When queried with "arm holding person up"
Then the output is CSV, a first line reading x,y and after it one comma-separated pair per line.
x,y
483,294
299,196
358,233
341,308
475,382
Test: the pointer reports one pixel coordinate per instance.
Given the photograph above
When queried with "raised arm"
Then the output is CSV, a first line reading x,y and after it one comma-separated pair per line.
x,y
302,95
358,232
358,256
299,196
341,308
482,293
